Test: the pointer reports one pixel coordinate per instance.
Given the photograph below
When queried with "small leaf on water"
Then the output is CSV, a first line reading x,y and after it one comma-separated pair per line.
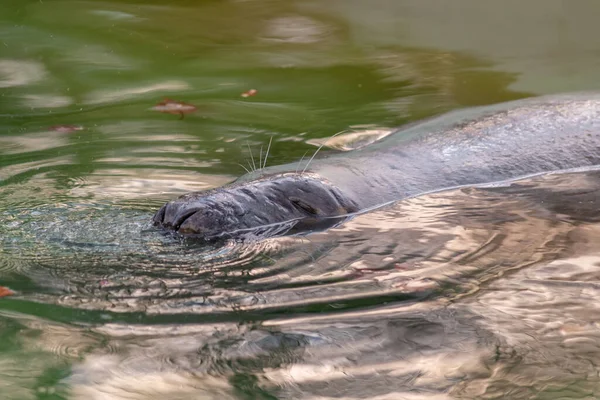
x,y
169,106
251,92
66,128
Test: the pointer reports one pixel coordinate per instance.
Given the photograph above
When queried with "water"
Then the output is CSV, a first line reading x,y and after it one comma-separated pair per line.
x,y
473,293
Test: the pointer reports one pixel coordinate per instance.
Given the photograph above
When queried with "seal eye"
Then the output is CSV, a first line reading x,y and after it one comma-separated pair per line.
x,y
304,206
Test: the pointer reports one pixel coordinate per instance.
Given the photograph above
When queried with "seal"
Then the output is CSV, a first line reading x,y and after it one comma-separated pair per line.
x,y
468,147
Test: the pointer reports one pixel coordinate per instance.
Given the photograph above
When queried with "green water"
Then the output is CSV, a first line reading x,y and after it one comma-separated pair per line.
x,y
103,65
105,308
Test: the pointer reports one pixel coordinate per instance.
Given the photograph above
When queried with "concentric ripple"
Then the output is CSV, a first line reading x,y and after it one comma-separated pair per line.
x,y
102,257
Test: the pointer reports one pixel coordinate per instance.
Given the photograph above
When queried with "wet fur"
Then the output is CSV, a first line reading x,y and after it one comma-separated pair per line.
x,y
466,147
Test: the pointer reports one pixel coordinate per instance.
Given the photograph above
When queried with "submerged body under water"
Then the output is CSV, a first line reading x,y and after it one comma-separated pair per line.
x,y
469,293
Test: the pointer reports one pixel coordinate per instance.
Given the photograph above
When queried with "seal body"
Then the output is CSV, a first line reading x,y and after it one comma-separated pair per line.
x,y
467,147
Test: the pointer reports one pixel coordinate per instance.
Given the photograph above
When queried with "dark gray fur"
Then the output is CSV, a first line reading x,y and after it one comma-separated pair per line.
x,y
466,147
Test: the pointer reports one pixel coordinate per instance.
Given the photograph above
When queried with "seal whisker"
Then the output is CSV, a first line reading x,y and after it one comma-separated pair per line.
x,y
309,254
251,157
320,147
300,162
246,169
267,154
260,159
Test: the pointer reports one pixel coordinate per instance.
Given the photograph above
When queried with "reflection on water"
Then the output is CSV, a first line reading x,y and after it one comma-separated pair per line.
x,y
17,73
474,293
468,293
121,94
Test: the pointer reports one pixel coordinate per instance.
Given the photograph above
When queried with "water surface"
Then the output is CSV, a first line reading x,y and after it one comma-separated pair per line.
x,y
472,293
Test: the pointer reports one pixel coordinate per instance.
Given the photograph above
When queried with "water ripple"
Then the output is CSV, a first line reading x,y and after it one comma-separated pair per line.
x,y
98,256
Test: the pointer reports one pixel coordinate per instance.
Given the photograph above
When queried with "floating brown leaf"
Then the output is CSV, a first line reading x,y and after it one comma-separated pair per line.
x,y
66,128
4,291
251,92
169,106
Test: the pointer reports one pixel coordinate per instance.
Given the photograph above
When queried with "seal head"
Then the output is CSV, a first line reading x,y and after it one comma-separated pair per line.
x,y
297,202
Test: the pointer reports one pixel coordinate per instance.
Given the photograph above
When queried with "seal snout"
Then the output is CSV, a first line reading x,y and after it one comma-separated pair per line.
x,y
253,206
175,215
206,214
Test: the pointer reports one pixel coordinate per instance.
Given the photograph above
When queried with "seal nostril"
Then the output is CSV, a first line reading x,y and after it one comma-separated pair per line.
x,y
184,217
